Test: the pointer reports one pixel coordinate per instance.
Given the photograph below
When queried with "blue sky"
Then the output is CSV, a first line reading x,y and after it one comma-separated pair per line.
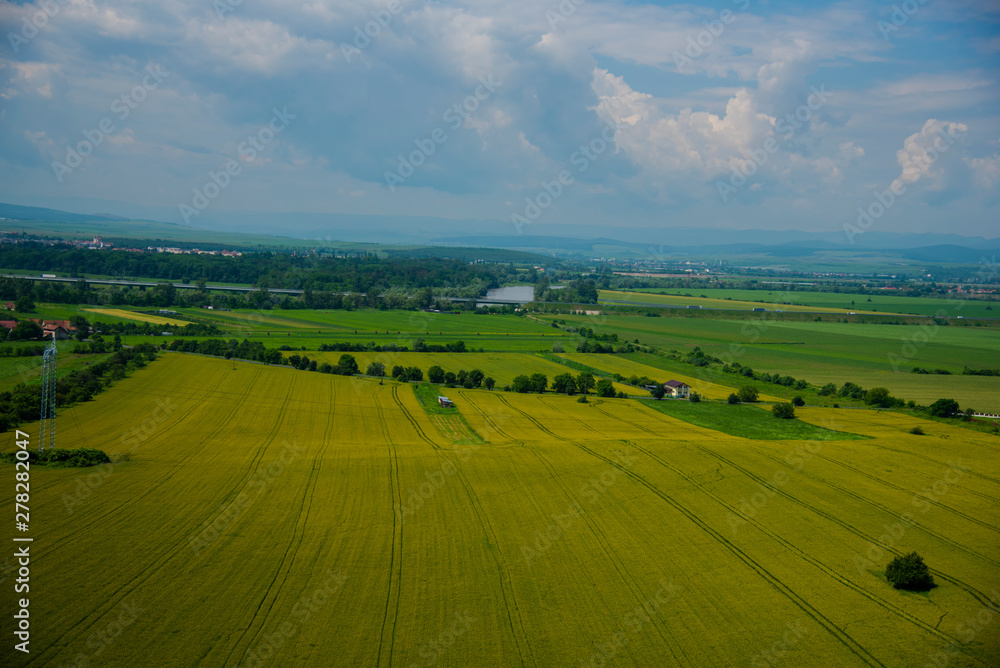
x,y
745,114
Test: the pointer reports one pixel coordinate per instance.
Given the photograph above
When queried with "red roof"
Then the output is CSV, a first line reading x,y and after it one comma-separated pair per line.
x,y
9,324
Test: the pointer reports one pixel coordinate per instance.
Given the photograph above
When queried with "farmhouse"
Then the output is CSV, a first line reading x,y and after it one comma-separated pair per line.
x,y
9,324
677,389
446,402
57,332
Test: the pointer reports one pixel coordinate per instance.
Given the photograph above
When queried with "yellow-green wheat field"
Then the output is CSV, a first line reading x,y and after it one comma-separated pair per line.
x,y
273,517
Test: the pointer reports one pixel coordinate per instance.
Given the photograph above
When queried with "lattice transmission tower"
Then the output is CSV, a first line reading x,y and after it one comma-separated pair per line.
x,y
47,428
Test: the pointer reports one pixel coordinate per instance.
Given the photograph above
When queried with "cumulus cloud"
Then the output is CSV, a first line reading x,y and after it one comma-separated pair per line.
x,y
919,157
986,171
687,141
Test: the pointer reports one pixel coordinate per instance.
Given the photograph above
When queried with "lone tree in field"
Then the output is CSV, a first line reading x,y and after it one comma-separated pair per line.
x,y
910,573
747,394
783,411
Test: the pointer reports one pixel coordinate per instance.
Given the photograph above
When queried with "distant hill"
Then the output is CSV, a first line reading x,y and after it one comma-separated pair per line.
x,y
16,212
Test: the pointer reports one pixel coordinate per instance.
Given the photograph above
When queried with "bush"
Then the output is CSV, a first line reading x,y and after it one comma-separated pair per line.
x,y
827,390
798,401
910,573
943,408
747,394
695,397
783,411
435,374
605,388
917,431
733,399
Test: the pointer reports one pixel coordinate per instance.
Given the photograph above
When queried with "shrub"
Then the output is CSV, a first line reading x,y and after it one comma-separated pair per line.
x,y
783,411
798,401
695,397
910,573
347,366
605,388
827,390
733,399
943,408
747,394
435,374
375,369
917,431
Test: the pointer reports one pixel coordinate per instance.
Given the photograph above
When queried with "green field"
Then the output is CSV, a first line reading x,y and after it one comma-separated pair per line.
x,y
887,301
289,518
821,352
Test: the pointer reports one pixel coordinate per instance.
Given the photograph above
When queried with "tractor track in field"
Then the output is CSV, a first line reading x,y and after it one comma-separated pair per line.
x,y
891,513
412,420
489,421
880,481
791,546
503,570
86,525
299,528
113,600
530,419
396,554
605,544
842,636
935,461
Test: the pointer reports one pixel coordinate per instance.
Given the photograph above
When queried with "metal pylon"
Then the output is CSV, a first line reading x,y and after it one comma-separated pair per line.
x,y
47,428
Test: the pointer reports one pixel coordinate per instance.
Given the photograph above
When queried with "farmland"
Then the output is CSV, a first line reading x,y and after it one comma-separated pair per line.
x,y
323,520
887,301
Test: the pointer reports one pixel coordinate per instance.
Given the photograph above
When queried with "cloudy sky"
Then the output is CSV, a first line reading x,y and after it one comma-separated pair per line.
x,y
730,114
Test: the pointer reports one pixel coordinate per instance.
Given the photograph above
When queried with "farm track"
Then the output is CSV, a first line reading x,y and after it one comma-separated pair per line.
x,y
142,576
842,636
788,544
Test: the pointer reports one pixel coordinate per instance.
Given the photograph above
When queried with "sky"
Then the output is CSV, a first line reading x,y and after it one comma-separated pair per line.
x,y
839,117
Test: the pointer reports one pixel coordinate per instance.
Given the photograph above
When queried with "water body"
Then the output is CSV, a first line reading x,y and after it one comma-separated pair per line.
x,y
519,293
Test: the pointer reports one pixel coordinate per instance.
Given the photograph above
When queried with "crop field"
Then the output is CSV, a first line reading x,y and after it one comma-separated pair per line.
x,y
821,352
323,520
675,299
887,301
133,315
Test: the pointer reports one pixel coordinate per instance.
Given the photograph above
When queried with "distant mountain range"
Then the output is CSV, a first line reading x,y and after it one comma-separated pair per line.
x,y
589,240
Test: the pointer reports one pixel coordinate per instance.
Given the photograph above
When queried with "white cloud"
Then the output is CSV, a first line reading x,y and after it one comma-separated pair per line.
x,y
919,157
986,171
687,141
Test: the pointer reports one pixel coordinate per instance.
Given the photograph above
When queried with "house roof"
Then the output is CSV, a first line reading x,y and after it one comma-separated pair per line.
x,y
9,324
676,383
